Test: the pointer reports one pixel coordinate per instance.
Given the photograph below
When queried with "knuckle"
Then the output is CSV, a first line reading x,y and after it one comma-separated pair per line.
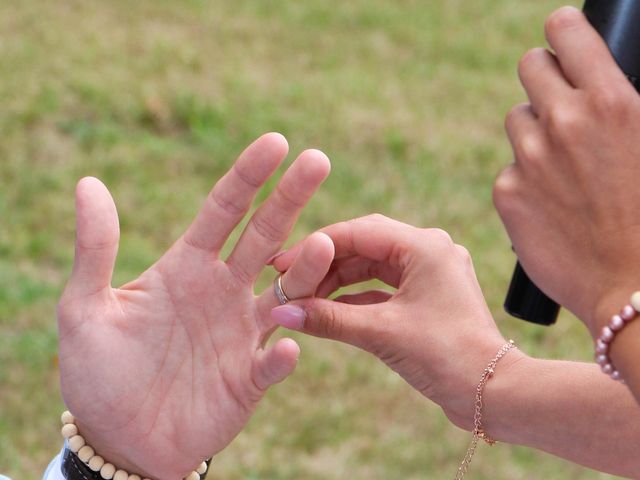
x,y
265,228
441,235
528,58
227,206
287,199
608,102
439,238
376,217
246,176
562,19
328,324
518,123
463,254
530,148
563,122
512,115
505,188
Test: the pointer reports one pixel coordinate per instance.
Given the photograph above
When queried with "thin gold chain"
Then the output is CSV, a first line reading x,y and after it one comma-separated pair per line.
x,y
478,431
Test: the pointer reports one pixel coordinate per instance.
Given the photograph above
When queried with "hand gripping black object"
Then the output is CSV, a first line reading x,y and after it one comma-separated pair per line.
x,y
618,21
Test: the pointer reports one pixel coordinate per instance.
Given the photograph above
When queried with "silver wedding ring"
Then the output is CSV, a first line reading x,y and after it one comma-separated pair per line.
x,y
277,289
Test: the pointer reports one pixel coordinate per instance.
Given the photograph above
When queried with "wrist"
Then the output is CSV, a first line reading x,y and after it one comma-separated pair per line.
x,y
101,457
607,305
460,409
616,344
499,392
118,451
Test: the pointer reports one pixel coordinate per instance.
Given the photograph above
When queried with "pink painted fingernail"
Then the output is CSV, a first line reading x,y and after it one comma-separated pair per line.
x,y
288,316
273,259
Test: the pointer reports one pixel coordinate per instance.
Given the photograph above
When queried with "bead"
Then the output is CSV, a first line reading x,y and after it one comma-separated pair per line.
x,y
121,475
601,347
627,313
192,476
96,462
616,323
134,477
602,360
607,369
607,335
67,417
76,443
85,453
635,301
616,375
69,430
107,471
202,468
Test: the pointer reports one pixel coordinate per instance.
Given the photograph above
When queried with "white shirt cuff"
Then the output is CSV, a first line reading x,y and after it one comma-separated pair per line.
x,y
54,470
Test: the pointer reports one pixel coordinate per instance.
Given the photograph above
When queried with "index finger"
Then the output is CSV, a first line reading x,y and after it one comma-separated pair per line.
x,y
583,55
374,237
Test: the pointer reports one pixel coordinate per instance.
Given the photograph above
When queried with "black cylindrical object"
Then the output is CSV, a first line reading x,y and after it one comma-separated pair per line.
x,y
618,21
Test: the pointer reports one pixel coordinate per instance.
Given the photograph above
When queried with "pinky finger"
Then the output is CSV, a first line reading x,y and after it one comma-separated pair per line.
x,y
273,365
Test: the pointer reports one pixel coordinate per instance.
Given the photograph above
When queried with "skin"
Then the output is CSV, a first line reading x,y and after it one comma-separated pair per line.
x,y
424,266
574,177
164,371
435,330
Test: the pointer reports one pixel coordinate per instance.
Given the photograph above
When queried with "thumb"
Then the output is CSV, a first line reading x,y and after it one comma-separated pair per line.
x,y
329,319
97,236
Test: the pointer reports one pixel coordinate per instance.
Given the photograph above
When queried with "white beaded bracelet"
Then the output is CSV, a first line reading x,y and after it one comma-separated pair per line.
x,y
96,463
616,324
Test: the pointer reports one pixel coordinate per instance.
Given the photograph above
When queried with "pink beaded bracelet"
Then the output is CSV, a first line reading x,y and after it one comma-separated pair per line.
x,y
96,463
616,324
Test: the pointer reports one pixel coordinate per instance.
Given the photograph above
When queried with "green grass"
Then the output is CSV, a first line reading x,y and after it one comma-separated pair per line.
x,y
157,98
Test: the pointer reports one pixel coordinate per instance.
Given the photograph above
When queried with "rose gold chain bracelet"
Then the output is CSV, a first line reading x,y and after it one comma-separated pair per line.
x,y
478,430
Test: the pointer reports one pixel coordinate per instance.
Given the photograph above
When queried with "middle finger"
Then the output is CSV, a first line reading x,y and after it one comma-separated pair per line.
x,y
270,225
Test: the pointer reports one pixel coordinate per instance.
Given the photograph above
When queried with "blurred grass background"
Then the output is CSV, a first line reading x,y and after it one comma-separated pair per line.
x,y
156,98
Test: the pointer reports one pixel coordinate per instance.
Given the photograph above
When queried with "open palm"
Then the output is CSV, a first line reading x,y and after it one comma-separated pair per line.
x,y
165,371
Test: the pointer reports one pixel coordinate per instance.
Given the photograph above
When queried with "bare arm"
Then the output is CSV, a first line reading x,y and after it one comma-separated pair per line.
x,y
577,160
436,332
568,409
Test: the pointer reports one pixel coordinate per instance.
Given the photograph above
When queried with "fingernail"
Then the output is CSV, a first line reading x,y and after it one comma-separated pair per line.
x,y
288,316
273,259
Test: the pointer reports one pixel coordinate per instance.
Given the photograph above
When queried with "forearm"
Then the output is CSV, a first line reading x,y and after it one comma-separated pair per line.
x,y
568,409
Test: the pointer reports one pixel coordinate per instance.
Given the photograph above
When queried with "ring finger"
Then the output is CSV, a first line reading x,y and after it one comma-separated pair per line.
x,y
307,271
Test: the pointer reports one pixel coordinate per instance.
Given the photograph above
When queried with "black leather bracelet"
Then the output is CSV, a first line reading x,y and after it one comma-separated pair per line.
x,y
75,469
